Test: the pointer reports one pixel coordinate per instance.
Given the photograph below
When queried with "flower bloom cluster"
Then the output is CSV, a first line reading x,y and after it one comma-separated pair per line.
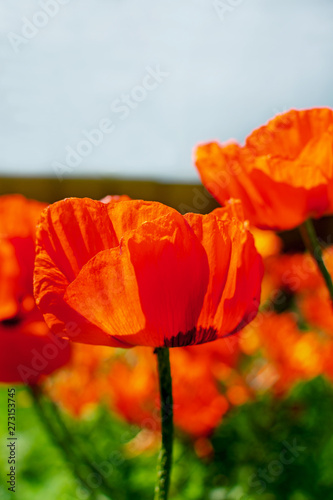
x,y
117,278
292,337
126,381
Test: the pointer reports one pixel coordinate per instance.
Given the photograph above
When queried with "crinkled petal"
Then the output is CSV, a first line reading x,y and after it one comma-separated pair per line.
x,y
233,292
150,289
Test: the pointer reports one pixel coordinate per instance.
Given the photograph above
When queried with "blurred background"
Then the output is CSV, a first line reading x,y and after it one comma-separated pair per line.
x,y
111,97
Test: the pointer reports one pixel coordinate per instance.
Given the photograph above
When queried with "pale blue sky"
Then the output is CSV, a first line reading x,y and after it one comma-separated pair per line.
x,y
220,77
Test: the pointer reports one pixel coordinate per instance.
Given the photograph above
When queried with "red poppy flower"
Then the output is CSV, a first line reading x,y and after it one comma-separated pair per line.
x,y
290,354
139,273
133,385
18,219
316,308
83,383
128,382
28,350
284,173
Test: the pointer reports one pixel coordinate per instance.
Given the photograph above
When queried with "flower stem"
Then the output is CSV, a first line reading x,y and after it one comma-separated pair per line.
x,y
165,455
311,242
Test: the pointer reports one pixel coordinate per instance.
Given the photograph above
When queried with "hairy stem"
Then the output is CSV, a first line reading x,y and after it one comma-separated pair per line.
x,y
165,456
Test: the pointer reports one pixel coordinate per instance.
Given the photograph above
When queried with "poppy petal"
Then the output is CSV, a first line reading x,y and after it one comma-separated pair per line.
x,y
159,274
284,173
233,293
10,276
71,232
129,215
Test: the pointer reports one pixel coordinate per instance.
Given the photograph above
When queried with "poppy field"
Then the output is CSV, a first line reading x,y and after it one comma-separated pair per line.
x,y
174,343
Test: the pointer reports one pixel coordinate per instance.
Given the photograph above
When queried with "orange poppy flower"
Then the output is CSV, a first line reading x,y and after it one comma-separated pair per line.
x,y
299,274
83,383
196,392
284,173
217,355
290,355
268,245
316,308
127,381
27,348
293,272
133,386
139,273
18,219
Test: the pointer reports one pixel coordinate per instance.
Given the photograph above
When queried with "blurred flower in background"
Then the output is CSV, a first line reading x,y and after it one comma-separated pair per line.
x,y
283,174
126,381
28,350
291,339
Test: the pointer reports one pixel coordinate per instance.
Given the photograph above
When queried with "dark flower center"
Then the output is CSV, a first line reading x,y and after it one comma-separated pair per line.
x,y
11,322
195,336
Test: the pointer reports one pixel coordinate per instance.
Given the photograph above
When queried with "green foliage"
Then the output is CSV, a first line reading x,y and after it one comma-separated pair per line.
x,y
251,448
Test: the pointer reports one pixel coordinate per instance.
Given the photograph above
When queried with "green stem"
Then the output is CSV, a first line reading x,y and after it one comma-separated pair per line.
x,y
311,242
72,444
59,442
165,456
